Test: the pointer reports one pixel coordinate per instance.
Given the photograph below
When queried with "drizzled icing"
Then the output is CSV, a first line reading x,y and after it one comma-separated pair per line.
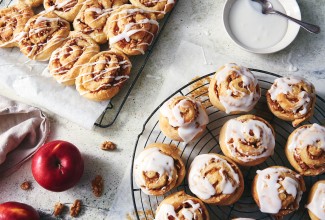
x,y
285,86
250,132
243,101
317,204
186,130
153,160
200,185
268,184
166,211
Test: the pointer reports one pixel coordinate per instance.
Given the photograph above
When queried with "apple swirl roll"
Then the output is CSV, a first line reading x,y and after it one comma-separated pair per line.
x,y
66,62
160,7
183,119
248,140
43,34
277,190
12,22
93,16
305,149
104,75
292,99
32,3
66,9
158,169
131,29
316,199
234,89
215,179
182,206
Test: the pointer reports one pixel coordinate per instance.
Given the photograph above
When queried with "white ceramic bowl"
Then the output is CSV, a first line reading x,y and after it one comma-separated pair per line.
x,y
292,9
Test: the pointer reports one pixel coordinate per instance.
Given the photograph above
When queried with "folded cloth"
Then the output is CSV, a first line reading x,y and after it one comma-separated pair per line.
x,y
23,129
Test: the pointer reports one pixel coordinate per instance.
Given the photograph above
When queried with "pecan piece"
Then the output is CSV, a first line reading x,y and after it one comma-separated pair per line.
x,y
75,208
108,145
58,209
98,185
26,185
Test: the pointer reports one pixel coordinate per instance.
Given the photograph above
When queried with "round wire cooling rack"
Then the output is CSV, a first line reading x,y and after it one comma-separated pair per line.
x,y
145,206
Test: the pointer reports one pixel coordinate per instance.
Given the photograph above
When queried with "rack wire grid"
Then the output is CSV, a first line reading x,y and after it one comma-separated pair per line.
x,y
145,206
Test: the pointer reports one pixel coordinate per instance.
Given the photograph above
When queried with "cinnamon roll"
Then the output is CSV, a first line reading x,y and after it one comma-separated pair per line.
x,y
66,9
131,29
32,3
158,169
305,149
104,75
42,34
234,89
183,119
248,140
316,201
92,18
12,22
66,62
292,99
160,7
215,179
182,206
277,190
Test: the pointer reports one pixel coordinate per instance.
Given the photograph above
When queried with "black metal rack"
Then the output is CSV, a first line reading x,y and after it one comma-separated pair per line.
x,y
145,205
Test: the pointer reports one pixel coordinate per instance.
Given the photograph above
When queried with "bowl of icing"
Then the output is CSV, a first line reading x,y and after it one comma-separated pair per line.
x,y
259,33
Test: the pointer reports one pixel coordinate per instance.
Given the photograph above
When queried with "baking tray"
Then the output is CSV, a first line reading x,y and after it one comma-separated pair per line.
x,y
145,206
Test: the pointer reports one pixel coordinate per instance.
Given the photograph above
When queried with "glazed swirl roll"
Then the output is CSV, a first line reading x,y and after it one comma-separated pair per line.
x,y
160,7
131,29
66,62
104,75
93,16
248,140
32,3
42,34
66,9
158,169
182,206
277,190
305,149
215,179
316,201
292,99
12,22
234,89
183,119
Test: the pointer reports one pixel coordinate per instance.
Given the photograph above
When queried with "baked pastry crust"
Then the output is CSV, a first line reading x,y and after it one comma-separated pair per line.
x,y
315,204
160,7
104,75
277,190
66,9
131,29
292,99
234,89
93,16
66,61
183,119
32,3
43,33
305,149
215,179
174,206
248,140
158,169
12,22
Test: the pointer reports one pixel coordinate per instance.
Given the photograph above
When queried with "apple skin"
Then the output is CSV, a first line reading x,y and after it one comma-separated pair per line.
x,y
17,211
57,166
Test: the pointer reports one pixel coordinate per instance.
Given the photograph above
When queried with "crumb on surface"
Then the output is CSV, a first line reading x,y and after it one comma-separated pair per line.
x,y
108,145
98,185
75,208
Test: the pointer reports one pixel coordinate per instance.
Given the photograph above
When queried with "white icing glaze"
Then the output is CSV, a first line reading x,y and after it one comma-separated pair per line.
x,y
246,101
284,86
317,204
267,189
153,160
240,133
200,186
187,131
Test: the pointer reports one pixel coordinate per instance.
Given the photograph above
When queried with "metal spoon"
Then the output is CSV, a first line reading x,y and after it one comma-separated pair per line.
x,y
267,8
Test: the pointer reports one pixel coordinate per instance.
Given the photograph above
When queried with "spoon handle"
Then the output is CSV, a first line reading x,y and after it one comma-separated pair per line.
x,y
309,27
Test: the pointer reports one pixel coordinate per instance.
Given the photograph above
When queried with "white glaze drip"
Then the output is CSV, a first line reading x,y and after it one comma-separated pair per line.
x,y
165,211
317,204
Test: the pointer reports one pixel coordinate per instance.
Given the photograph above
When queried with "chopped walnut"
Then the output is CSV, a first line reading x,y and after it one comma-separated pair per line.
x,y
75,208
58,209
108,145
98,185
26,185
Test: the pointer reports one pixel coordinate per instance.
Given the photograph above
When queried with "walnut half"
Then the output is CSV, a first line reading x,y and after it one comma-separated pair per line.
x,y
75,208
98,185
108,145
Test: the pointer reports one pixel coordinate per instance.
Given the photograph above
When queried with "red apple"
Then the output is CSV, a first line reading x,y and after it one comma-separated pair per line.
x,y
57,166
17,211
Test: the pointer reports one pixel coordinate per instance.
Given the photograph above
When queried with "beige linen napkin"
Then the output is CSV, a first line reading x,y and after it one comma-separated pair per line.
x,y
23,129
